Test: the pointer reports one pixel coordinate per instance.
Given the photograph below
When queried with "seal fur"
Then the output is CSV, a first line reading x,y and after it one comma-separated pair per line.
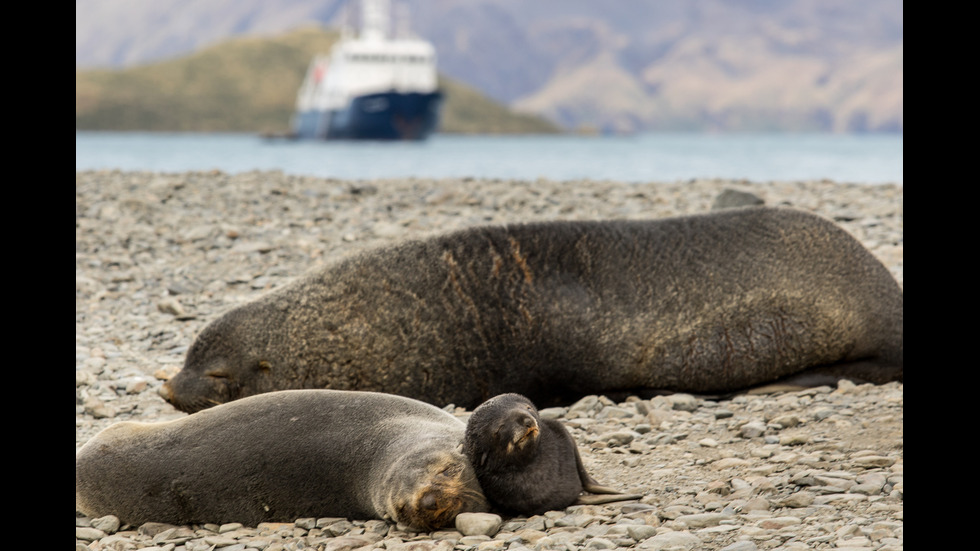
x,y
707,303
527,465
281,456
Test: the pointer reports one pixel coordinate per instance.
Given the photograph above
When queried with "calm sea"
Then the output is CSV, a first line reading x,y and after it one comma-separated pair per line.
x,y
870,159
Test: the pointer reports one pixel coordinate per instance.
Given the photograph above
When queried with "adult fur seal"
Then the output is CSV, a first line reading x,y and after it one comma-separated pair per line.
x,y
282,456
527,465
707,303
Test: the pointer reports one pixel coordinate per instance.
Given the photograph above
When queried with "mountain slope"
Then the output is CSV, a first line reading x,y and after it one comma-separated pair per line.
x,y
248,84
615,65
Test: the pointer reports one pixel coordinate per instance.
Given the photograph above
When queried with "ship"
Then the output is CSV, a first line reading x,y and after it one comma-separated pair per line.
x,y
370,86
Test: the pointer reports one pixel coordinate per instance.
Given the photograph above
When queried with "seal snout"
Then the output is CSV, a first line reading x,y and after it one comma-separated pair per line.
x,y
166,392
435,508
525,431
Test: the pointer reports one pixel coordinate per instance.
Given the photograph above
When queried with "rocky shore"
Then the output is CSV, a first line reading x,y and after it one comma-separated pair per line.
x,y
159,255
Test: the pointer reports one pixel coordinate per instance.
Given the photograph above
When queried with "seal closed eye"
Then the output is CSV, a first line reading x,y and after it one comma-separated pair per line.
x,y
527,465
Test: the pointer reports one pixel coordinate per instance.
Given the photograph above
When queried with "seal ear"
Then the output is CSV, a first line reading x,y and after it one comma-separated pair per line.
x,y
483,458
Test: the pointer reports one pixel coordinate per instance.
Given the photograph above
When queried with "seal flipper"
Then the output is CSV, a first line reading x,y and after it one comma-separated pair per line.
x,y
591,485
608,498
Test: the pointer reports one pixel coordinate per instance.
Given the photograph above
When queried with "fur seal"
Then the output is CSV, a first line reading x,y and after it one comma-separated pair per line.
x,y
527,465
707,303
281,456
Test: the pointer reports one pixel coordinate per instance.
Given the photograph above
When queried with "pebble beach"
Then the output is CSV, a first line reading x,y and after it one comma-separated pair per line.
x,y
159,255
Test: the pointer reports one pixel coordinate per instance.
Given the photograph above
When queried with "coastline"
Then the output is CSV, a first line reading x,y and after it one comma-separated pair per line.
x,y
159,255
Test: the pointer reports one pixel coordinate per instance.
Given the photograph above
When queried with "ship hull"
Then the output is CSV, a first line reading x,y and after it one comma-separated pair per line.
x,y
383,116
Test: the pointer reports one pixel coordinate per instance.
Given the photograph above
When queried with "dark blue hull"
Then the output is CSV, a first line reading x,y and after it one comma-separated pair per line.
x,y
385,116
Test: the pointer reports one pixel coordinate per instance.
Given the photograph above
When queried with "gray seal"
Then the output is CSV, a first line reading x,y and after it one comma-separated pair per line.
x,y
527,465
707,304
281,456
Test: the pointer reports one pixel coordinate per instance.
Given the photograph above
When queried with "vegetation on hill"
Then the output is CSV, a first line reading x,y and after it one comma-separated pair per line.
x,y
249,85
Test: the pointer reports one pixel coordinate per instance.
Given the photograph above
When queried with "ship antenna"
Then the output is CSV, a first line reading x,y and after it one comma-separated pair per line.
x,y
374,19
346,26
402,23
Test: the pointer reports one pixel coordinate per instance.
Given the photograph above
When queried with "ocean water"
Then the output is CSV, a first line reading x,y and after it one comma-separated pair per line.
x,y
864,158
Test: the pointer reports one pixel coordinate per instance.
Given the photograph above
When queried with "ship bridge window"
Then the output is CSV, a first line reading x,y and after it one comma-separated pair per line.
x,y
378,58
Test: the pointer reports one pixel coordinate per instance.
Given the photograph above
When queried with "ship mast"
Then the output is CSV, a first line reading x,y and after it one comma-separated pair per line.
x,y
374,19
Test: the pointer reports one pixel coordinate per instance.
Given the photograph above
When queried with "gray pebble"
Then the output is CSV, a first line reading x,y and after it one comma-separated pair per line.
x,y
733,198
741,546
599,543
619,438
88,533
552,413
752,429
305,523
683,402
702,520
640,532
108,524
671,541
478,524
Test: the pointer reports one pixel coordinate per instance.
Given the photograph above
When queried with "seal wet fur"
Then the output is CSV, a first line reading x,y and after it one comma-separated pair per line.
x,y
707,303
527,465
281,456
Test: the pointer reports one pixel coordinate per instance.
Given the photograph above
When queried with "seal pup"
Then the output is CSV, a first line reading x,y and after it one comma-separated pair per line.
x,y
281,456
707,303
527,465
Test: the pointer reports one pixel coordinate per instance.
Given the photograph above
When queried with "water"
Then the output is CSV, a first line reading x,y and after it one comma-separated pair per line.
x,y
870,159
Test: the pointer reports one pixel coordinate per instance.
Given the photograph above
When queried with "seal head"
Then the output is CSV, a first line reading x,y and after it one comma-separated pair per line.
x,y
229,363
444,486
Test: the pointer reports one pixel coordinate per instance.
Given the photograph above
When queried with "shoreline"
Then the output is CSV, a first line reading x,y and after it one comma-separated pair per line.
x,y
159,255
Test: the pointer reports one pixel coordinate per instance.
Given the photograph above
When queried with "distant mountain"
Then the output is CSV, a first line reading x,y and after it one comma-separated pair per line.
x,y
614,65
249,84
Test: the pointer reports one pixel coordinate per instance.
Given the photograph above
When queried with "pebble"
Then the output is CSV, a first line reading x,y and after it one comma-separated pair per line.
x,y
640,532
782,471
752,429
108,524
478,524
672,541
702,520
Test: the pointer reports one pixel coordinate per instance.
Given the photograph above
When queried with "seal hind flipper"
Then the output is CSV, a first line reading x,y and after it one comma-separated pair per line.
x,y
596,488
591,485
613,497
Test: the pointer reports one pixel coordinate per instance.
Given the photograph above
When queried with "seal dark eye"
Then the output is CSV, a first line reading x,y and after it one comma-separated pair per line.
x,y
264,366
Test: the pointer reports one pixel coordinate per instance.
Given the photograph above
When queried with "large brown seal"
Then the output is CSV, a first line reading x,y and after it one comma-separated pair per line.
x,y
707,303
527,465
282,456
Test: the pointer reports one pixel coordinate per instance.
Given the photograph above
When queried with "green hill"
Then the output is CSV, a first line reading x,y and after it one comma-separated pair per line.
x,y
249,85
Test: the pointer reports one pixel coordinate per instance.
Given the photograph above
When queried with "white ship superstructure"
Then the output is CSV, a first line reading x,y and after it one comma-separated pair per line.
x,y
367,80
